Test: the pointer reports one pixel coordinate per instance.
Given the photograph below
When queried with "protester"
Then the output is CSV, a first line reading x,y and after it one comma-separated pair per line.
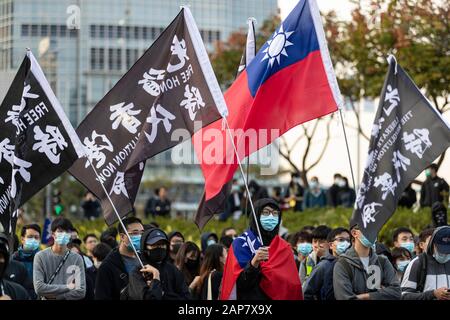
x,y
8,289
100,253
427,276
59,273
176,240
257,192
333,191
319,285
188,262
404,237
229,231
315,196
439,215
424,239
320,248
295,192
250,273
408,197
109,237
434,189
302,242
158,279
161,205
225,241
401,258
207,239
30,242
149,206
90,241
113,273
351,278
91,206
346,195
233,204
211,273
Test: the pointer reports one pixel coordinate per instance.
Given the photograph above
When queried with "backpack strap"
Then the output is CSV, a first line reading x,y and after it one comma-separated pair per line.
x,y
58,268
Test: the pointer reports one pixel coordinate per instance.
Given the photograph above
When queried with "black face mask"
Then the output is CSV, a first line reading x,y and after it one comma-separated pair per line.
x,y
155,256
192,265
176,247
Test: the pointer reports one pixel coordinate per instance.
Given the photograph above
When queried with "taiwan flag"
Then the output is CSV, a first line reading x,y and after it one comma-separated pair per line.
x,y
290,81
279,277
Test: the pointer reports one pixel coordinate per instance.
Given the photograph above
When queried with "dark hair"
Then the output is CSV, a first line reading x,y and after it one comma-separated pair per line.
x,y
109,237
321,232
126,222
433,166
100,251
185,248
401,230
62,223
72,245
227,229
211,261
89,235
400,252
301,235
337,175
33,226
425,234
308,229
333,233
226,241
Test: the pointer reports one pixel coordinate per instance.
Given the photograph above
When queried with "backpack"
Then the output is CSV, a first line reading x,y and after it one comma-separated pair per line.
x,y
422,276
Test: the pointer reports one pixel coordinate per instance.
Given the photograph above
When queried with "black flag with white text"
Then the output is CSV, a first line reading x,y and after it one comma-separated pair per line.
x,y
408,134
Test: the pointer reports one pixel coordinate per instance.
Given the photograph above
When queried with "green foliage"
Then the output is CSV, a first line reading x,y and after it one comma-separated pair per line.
x,y
293,221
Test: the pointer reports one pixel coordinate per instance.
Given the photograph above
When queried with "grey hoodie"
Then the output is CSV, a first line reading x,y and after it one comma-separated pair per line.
x,y
380,280
437,276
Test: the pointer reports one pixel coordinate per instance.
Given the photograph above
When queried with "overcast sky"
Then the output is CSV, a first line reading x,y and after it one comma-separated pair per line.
x,y
342,7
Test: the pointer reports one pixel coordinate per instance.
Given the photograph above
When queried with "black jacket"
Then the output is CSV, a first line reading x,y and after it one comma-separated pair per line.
x,y
13,290
16,272
171,285
433,190
112,277
216,279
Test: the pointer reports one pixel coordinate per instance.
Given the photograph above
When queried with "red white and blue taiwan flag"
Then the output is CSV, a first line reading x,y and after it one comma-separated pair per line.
x,y
280,269
290,81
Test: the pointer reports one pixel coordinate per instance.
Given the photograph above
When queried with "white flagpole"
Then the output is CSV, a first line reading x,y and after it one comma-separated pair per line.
x,y
116,212
348,150
245,180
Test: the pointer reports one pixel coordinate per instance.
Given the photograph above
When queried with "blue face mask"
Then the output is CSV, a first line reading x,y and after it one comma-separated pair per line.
x,y
441,258
304,248
408,246
135,242
342,247
401,265
210,242
62,238
31,244
365,242
269,222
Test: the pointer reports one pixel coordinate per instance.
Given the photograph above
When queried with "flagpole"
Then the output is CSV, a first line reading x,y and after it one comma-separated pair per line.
x,y
245,180
117,213
348,150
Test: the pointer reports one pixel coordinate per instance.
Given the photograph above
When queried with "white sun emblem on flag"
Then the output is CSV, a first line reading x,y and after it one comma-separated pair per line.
x,y
277,46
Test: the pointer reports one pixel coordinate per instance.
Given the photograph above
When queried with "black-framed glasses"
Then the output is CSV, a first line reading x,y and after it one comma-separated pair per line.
x,y
267,212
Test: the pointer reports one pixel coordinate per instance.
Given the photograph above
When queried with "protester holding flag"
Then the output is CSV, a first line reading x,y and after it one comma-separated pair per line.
x,y
158,279
361,274
8,289
59,273
254,264
113,274
30,241
428,276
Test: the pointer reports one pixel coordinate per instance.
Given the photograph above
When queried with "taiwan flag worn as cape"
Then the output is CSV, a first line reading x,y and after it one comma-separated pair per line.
x,y
290,81
280,280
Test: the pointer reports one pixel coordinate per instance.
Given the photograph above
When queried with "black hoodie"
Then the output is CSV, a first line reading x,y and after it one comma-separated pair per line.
x,y
171,285
112,277
247,284
9,288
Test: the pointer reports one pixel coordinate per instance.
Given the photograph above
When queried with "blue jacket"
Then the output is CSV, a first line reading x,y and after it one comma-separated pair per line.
x,y
319,285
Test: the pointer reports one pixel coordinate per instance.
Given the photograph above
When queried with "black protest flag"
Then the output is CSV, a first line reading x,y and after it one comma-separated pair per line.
x,y
171,87
215,205
408,134
37,141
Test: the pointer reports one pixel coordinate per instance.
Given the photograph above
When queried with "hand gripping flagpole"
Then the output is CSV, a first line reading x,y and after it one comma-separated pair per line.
x,y
244,178
117,213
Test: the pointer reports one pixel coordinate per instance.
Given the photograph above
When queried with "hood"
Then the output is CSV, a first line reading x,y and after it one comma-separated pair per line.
x,y
259,205
175,233
431,243
205,237
150,233
4,249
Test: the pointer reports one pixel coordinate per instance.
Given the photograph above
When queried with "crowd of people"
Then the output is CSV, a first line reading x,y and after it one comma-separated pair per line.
x,y
137,261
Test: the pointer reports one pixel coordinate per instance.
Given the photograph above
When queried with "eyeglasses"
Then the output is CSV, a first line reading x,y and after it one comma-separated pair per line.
x,y
341,239
267,212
